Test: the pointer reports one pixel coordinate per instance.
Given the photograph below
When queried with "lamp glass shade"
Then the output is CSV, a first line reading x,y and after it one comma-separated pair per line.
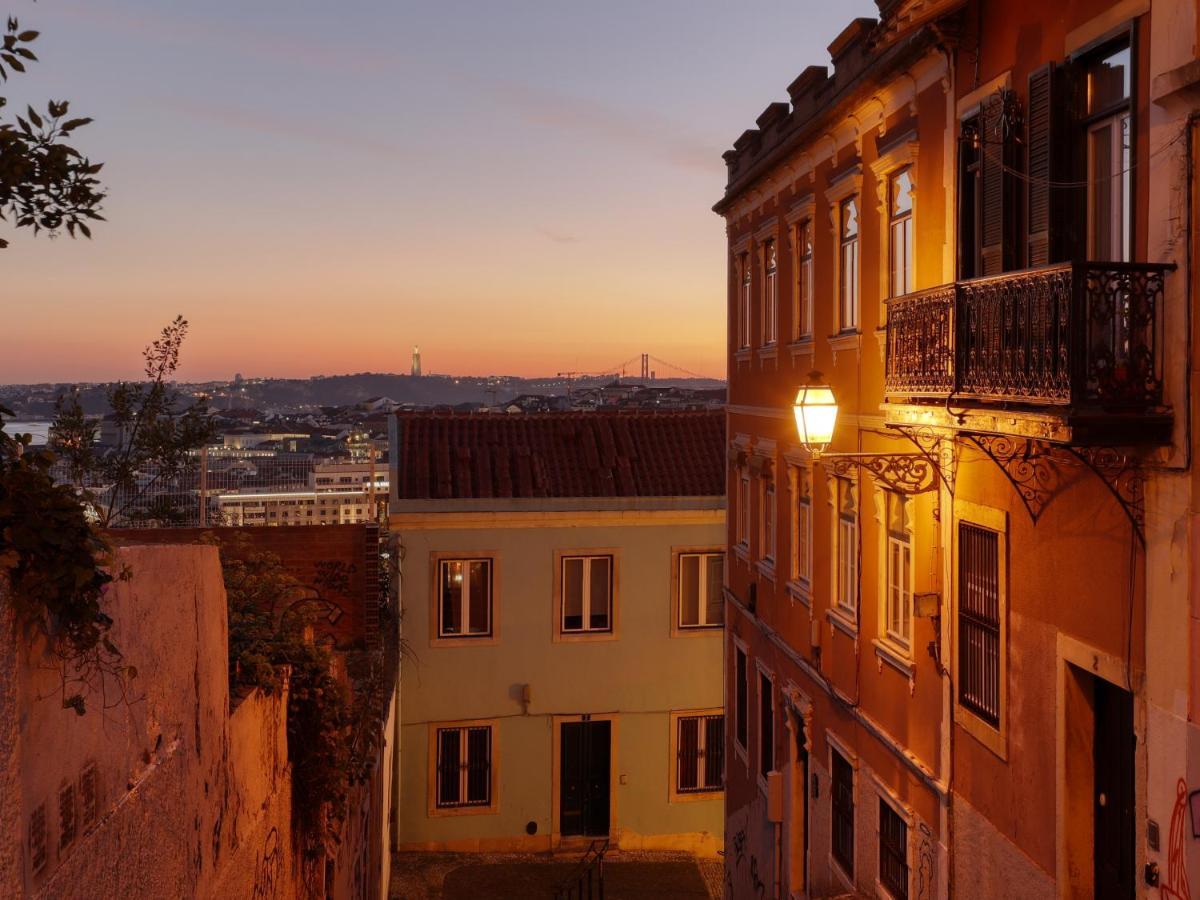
x,y
816,415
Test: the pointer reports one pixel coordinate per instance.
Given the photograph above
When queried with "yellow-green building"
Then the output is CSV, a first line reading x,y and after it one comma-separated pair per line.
x,y
560,585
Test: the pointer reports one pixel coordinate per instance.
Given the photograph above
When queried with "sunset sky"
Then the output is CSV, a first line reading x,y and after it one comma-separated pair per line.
x,y
518,186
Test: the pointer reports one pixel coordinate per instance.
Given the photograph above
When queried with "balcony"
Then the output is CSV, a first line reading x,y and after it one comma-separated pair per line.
x,y
1070,353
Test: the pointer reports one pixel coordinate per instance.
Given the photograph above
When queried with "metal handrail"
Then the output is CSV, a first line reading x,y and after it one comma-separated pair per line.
x,y
587,881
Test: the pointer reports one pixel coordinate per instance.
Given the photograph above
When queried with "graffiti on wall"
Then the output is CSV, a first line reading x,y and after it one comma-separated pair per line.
x,y
1175,885
266,875
925,864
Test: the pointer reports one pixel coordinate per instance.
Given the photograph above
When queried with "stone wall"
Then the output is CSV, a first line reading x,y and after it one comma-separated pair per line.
x,y
159,791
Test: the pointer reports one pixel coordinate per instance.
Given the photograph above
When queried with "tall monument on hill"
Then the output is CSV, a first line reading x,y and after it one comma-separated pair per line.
x,y
416,362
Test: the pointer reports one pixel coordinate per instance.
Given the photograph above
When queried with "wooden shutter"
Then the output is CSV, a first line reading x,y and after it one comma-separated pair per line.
x,y
1038,167
1056,205
996,191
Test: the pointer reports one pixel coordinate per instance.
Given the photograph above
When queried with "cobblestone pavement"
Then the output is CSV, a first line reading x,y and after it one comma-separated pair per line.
x,y
505,876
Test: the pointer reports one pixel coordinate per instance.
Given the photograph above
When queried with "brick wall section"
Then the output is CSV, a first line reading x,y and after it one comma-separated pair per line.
x,y
338,563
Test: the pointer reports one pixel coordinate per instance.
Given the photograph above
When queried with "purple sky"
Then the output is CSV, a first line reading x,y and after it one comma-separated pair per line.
x,y
519,187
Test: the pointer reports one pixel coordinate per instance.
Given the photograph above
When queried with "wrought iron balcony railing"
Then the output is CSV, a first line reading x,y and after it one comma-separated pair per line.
x,y
1080,336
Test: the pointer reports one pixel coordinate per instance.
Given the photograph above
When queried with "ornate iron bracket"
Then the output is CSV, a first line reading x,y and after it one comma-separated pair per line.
x,y
937,447
905,473
1034,468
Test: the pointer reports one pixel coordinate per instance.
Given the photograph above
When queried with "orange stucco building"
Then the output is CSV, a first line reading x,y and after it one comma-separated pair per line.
x,y
943,673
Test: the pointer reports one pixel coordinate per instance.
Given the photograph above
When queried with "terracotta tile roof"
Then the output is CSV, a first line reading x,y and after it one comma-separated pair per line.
x,y
573,454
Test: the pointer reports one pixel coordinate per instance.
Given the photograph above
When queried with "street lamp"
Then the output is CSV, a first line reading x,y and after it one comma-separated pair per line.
x,y
816,414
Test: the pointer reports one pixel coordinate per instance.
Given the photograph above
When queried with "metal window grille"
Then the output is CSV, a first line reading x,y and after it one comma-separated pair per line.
x,y
893,852
979,621
843,813
700,754
66,816
88,794
464,766
740,722
37,839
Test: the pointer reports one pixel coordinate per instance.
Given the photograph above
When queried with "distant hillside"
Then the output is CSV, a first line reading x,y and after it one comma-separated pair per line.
x,y
297,394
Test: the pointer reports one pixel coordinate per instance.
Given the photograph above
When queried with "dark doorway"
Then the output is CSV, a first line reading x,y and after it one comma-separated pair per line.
x,y
1114,822
584,763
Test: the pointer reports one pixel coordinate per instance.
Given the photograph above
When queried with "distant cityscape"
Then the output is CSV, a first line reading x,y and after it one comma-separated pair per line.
x,y
315,451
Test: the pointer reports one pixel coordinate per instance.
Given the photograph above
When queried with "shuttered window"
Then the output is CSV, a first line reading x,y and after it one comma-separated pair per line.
x,y
979,621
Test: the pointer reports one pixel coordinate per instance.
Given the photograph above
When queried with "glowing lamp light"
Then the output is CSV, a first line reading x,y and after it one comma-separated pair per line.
x,y
816,414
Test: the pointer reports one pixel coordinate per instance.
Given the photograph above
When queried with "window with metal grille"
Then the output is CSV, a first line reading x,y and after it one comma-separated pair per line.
x,y
37,839
979,621
89,800
66,816
893,852
843,813
701,576
770,324
465,598
464,766
700,754
766,725
740,723
587,593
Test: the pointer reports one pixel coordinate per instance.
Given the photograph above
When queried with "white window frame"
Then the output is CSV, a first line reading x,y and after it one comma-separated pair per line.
x,y
800,481
770,316
745,301
465,598
846,560
904,222
743,507
586,586
898,587
438,808
849,266
765,674
701,586
1120,220
766,519
739,747
802,289
703,791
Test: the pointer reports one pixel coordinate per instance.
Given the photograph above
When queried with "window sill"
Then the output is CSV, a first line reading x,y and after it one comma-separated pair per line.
x,y
895,657
580,637
439,812
766,568
840,620
743,355
693,796
464,641
768,351
742,551
698,630
845,879
799,590
845,340
882,893
802,346
982,731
